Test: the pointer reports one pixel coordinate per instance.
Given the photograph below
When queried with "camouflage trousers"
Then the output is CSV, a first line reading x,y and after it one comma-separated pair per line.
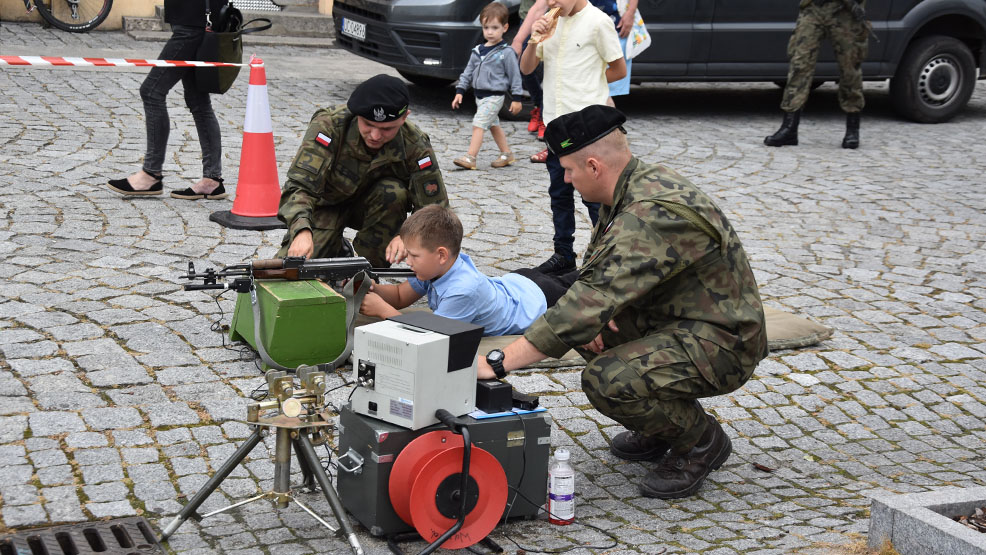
x,y
376,214
651,385
849,42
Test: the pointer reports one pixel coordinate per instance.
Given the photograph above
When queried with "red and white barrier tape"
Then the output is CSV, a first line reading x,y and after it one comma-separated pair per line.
x,y
105,62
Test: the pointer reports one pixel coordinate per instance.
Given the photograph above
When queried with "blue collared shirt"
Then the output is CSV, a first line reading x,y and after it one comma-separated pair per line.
x,y
504,305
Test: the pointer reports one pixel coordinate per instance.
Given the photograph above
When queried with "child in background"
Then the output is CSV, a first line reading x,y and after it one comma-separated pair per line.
x,y
580,57
492,71
455,289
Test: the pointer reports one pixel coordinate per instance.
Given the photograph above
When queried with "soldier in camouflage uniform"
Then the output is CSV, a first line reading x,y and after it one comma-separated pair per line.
x,y
665,310
844,23
361,166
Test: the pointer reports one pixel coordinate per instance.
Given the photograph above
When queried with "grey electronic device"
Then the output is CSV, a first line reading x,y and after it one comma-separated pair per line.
x,y
368,449
409,366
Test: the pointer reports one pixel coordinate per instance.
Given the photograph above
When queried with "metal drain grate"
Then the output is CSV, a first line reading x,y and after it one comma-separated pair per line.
x,y
123,536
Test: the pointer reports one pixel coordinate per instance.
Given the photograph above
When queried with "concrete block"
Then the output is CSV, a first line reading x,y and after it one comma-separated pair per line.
x,y
921,523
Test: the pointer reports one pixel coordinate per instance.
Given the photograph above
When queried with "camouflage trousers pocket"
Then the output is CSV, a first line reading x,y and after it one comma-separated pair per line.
x,y
717,365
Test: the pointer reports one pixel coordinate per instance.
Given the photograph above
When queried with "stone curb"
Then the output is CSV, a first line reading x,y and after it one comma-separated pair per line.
x,y
921,523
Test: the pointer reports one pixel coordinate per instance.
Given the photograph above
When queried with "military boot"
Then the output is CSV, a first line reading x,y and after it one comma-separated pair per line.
x,y
788,133
634,446
681,474
851,140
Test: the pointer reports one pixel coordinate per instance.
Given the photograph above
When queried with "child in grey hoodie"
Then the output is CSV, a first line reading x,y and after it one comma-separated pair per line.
x,y
492,70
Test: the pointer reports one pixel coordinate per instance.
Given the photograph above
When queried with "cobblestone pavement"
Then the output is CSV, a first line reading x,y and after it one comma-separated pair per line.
x,y
118,399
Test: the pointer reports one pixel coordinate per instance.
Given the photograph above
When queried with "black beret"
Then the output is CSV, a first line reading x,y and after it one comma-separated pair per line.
x,y
380,98
570,132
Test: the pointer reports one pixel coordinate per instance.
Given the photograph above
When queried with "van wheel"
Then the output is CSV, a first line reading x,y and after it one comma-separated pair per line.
x,y
426,81
934,80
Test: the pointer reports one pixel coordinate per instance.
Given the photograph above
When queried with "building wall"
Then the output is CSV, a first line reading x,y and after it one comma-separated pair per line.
x,y
13,10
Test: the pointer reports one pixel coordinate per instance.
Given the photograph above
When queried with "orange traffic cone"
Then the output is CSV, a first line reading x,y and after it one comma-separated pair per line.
x,y
257,189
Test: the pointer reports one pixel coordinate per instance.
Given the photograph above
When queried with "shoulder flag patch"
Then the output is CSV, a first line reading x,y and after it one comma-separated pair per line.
x,y
424,162
323,139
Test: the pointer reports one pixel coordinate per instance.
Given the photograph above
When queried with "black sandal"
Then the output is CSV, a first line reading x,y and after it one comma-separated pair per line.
x,y
216,194
123,187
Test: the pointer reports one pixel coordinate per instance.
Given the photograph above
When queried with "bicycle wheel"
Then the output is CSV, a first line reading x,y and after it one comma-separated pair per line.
x,y
77,16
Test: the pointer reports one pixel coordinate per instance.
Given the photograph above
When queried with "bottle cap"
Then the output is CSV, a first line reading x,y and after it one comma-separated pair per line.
x,y
561,454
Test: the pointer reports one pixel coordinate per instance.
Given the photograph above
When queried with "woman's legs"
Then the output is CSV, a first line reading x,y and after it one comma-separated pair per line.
x,y
182,45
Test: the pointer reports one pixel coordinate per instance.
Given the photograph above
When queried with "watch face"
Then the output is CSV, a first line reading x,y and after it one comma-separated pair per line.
x,y
495,355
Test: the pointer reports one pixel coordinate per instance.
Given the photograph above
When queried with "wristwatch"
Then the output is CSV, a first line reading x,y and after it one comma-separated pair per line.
x,y
495,359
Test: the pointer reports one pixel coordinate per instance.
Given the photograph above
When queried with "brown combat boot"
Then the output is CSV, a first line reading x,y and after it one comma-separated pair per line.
x,y
634,446
681,474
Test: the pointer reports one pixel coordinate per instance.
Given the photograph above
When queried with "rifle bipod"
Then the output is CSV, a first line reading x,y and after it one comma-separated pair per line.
x,y
294,428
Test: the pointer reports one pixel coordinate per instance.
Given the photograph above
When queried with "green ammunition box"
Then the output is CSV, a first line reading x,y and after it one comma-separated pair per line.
x,y
304,322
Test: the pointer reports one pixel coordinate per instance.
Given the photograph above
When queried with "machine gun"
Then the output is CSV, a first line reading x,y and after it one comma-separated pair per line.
x,y
241,276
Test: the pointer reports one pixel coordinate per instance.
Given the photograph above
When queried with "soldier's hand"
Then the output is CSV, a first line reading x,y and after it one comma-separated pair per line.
x,y
596,345
515,107
457,101
395,250
302,244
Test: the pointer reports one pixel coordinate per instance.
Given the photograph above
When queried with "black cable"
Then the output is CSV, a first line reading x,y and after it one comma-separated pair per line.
x,y
243,351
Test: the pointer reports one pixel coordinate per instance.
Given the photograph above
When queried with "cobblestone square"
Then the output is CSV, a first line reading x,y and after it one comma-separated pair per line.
x,y
118,399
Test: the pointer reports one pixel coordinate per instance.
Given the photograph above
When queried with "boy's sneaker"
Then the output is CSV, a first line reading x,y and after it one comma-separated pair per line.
x,y
557,264
465,161
532,126
541,128
503,160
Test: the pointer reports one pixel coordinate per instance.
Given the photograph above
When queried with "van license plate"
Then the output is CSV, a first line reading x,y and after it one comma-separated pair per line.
x,y
355,29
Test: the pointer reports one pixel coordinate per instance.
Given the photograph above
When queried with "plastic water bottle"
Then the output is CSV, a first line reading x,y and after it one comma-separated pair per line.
x,y
561,490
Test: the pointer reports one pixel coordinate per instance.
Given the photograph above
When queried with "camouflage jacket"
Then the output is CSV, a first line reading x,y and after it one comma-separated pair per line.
x,y
662,259
333,166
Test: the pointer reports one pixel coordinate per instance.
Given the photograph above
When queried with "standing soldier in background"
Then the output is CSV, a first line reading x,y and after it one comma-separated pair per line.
x,y
844,23
361,165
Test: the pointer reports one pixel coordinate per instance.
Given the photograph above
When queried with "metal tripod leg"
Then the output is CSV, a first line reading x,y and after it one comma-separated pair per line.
x,y
308,478
307,452
210,486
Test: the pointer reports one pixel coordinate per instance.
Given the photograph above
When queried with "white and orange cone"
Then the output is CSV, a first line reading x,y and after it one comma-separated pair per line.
x,y
257,189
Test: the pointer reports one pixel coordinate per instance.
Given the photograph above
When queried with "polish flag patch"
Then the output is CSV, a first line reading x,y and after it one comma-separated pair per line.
x,y
323,139
424,162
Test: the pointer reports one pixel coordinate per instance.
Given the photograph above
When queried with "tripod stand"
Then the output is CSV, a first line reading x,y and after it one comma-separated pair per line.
x,y
294,431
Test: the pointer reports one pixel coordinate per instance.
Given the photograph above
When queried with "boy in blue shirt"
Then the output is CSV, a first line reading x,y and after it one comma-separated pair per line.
x,y
504,305
492,72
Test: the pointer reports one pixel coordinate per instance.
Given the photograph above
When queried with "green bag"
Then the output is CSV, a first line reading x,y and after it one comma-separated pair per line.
x,y
223,42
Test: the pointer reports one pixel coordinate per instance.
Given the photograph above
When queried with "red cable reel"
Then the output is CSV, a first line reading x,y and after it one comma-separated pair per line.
x,y
424,489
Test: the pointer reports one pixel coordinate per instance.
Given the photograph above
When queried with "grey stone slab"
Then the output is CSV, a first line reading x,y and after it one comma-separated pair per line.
x,y
112,418
24,515
921,522
170,414
54,423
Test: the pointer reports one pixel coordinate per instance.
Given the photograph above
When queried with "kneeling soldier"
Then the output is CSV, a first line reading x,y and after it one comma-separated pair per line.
x,y
665,310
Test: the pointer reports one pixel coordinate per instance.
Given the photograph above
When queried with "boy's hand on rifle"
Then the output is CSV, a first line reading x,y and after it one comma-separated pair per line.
x,y
457,101
375,306
515,107
302,244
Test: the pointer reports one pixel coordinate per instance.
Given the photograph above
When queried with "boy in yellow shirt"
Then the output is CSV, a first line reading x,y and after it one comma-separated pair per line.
x,y
581,57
